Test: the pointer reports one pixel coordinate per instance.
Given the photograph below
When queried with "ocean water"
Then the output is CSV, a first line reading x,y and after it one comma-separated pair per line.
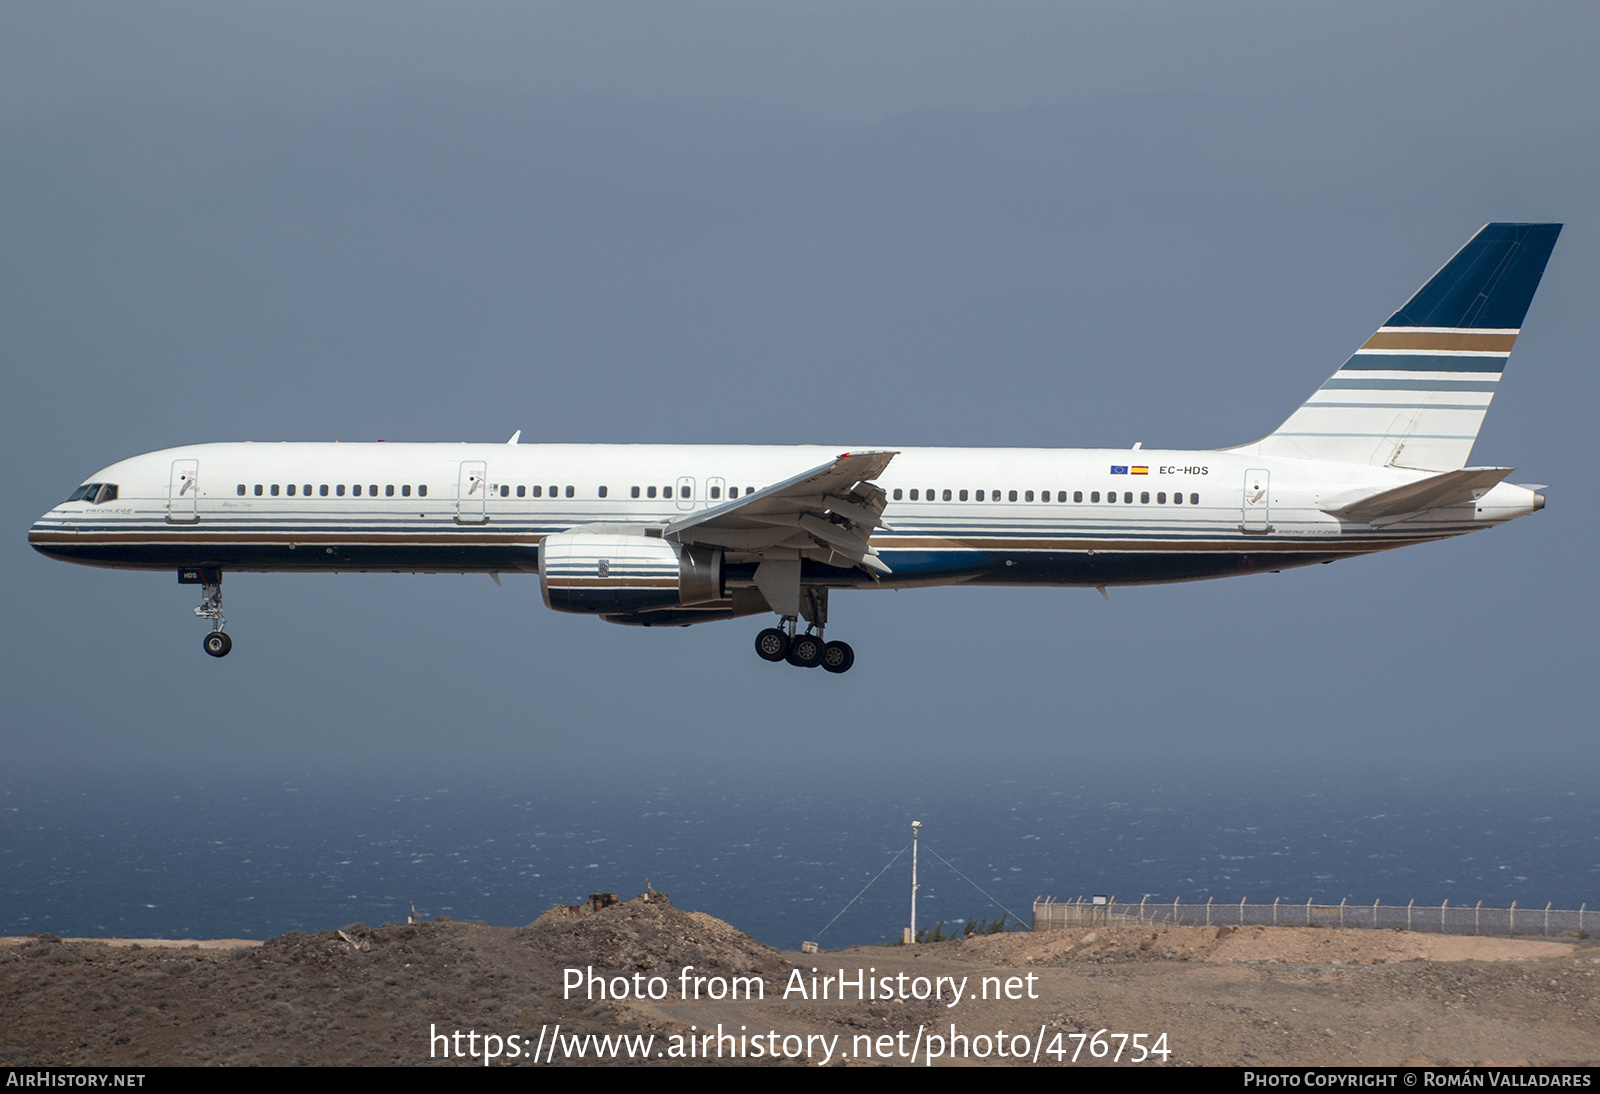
x,y
777,854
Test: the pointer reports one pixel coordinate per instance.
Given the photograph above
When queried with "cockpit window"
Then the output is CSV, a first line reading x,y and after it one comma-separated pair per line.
x,y
95,492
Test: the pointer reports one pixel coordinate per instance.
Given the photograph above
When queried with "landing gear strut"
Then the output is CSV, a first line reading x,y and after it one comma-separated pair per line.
x,y
808,650
217,643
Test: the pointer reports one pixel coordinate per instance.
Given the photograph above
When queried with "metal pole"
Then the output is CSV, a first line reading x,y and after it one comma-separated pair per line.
x,y
916,826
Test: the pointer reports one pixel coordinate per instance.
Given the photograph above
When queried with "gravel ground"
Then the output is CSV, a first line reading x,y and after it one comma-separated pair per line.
x,y
398,994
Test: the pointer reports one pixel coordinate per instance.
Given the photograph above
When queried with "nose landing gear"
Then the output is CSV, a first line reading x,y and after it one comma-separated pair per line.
x,y
217,643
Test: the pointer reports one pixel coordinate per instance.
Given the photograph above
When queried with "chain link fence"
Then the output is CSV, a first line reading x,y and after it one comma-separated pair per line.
x,y
1050,915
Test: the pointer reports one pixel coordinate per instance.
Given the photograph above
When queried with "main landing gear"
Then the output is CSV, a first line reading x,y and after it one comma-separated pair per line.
x,y
217,643
808,651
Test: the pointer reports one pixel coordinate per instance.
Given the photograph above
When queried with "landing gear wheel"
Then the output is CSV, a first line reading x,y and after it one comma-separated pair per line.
x,y
838,657
772,644
218,643
805,651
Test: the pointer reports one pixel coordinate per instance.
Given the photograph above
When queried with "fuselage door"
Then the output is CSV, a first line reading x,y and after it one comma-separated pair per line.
x,y
685,492
1256,514
472,493
183,492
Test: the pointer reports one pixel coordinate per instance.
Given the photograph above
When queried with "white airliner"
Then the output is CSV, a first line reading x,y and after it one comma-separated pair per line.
x,y
679,534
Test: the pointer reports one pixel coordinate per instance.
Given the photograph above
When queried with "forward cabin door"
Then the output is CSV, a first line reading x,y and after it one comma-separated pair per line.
x,y
472,493
183,492
1255,517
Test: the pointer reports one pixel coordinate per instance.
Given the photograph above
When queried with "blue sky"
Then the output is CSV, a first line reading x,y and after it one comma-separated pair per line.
x,y
892,224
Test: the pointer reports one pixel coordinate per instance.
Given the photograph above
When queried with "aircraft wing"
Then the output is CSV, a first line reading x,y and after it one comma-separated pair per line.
x,y
1450,488
828,513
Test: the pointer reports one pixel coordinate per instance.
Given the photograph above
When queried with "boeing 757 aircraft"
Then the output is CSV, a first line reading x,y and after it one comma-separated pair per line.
x,y
669,535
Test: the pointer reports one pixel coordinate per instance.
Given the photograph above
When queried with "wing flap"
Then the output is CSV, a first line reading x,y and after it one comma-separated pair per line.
x,y
833,509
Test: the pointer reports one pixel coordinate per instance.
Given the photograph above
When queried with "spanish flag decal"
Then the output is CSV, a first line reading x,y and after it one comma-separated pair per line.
x,y
1141,471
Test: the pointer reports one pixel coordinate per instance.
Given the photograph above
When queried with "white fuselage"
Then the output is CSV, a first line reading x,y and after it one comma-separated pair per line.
x,y
1010,516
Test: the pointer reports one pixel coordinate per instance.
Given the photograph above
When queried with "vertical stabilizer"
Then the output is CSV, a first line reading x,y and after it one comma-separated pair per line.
x,y
1414,395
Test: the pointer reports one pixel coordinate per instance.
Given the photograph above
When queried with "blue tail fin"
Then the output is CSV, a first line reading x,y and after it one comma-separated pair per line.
x,y
1415,394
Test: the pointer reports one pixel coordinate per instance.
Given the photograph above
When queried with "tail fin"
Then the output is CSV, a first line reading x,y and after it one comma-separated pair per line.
x,y
1414,395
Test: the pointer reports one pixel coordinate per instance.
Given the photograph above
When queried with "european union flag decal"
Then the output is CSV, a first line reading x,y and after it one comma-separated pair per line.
x,y
1116,470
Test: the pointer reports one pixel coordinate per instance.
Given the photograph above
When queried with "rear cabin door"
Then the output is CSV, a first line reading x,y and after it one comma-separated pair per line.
x,y
183,492
1256,514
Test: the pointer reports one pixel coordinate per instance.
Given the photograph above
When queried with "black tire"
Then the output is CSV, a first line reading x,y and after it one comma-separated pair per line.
x,y
838,657
805,651
772,644
217,643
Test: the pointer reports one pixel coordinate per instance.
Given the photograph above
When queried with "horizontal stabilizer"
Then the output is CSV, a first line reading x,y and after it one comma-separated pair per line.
x,y
1451,488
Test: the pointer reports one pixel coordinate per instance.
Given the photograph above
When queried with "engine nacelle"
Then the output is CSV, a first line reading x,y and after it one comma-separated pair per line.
x,y
607,574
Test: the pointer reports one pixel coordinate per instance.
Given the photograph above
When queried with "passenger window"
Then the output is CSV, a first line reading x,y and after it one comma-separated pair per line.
x,y
947,495
505,490
570,491
1077,495
337,489
634,492
683,492
1127,497
1177,499
963,495
650,492
555,491
241,490
1144,497
323,490
913,495
356,490
716,493
274,489
306,489
291,490
1013,495
1194,499
422,491
897,493
1111,497
258,489
1161,498
372,489
538,491
602,491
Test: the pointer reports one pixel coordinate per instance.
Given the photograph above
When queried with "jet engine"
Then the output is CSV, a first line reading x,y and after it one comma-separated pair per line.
x,y
609,574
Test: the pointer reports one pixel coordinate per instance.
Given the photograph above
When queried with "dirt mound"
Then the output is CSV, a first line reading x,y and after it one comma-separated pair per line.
x,y
651,936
